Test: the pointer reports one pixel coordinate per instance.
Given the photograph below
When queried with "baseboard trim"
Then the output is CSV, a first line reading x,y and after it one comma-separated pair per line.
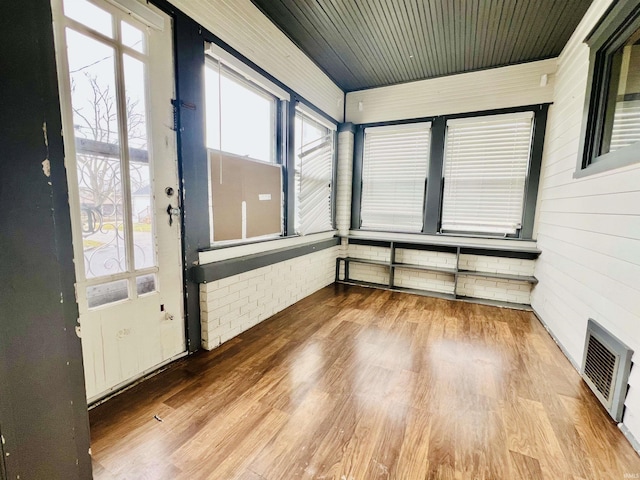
x,y
555,339
635,444
629,436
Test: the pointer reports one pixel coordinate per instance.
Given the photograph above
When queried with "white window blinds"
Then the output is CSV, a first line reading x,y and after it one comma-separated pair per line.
x,y
485,169
394,172
626,125
314,145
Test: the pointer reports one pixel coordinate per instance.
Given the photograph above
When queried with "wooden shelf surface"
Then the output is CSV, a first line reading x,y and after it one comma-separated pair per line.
x,y
500,276
365,260
427,268
454,272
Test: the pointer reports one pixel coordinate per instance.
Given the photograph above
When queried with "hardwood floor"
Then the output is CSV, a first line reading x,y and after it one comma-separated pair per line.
x,y
359,384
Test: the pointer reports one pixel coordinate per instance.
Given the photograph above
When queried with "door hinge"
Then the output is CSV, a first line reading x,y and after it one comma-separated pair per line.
x,y
174,104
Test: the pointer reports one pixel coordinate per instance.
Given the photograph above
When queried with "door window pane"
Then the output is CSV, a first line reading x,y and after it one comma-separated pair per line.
x,y
99,171
141,198
105,293
132,37
146,284
88,14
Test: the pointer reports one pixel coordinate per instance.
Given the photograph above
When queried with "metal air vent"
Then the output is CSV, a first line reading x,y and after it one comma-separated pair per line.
x,y
606,367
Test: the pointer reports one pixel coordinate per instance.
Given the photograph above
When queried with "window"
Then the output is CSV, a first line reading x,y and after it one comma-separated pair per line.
x,y
394,175
241,117
611,130
244,138
473,174
314,151
105,58
486,162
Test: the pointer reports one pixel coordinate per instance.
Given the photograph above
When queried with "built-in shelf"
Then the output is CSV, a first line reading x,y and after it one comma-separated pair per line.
x,y
367,261
426,268
426,293
526,253
500,276
494,303
362,283
415,291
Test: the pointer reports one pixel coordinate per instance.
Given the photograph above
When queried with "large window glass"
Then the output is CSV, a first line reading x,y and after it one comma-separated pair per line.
x,y
314,148
486,163
622,115
611,129
246,176
240,116
394,175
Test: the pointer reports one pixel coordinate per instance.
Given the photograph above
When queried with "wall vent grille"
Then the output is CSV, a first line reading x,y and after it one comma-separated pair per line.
x,y
606,367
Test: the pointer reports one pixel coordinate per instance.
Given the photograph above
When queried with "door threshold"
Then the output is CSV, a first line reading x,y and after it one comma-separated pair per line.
x,y
132,382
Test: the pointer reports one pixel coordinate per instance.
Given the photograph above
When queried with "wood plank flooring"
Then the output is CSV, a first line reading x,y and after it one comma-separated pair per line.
x,y
361,384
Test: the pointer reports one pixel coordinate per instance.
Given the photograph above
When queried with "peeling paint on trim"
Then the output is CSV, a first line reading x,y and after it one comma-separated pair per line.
x,y
46,136
46,167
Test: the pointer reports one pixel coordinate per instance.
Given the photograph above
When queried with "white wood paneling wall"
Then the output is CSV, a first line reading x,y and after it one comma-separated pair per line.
x,y
243,26
503,87
588,229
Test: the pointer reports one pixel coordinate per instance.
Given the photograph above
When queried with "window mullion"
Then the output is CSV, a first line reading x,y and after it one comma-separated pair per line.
x,y
125,180
433,197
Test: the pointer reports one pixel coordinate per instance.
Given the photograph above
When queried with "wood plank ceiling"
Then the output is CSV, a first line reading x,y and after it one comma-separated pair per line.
x,y
370,43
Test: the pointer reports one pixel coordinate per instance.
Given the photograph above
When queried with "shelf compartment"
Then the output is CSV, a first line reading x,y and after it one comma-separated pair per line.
x,y
495,303
426,268
501,276
362,283
365,260
425,293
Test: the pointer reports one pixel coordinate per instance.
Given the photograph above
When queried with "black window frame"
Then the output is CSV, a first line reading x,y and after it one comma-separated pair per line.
x,y
435,184
608,36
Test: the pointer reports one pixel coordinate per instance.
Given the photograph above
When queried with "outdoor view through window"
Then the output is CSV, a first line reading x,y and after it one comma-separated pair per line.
x,y
107,79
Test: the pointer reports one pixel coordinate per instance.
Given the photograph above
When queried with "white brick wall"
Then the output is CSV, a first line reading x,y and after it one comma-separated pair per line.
x,y
426,258
345,175
369,273
494,289
511,266
435,282
234,304
380,254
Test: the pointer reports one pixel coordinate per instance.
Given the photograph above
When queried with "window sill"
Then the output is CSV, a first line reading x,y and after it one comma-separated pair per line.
x,y
228,252
211,272
610,161
504,244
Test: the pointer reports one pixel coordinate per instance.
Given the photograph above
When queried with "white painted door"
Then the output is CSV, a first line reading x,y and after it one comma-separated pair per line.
x,y
116,81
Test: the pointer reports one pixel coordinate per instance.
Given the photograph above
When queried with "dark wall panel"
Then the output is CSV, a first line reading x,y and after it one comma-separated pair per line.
x,y
192,154
43,411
